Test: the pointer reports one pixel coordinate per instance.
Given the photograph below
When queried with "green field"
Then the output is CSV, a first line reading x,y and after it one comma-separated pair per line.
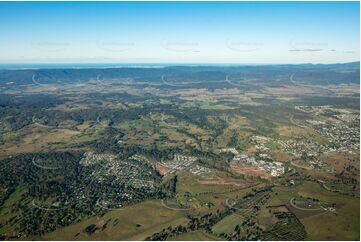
x,y
227,224
7,212
338,225
133,223
194,236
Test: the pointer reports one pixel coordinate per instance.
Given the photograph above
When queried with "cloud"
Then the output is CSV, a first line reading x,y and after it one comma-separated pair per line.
x,y
181,46
51,46
115,46
243,46
305,50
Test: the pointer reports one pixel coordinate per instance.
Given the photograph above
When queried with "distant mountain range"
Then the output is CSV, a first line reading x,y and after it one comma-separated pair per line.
x,y
312,73
23,66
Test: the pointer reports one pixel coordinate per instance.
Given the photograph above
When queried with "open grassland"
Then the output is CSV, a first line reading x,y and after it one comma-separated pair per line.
x,y
198,235
206,197
135,222
188,183
320,225
213,106
343,224
235,132
266,218
39,137
227,224
339,161
7,213
295,131
36,139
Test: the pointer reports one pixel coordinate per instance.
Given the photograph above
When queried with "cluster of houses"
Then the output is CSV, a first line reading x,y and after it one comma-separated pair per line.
x,y
302,148
307,150
91,158
179,162
315,109
250,159
141,159
141,183
199,170
136,171
343,134
260,142
348,117
274,168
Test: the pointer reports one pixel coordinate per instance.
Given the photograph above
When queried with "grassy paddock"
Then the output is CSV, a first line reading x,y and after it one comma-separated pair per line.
x,y
133,223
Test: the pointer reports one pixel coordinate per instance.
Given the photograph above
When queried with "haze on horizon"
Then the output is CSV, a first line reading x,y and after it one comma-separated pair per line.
x,y
179,32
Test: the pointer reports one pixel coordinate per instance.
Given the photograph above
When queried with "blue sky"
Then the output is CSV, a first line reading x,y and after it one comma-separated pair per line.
x,y
179,32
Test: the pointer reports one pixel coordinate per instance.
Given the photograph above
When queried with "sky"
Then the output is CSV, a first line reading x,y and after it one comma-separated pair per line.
x,y
180,32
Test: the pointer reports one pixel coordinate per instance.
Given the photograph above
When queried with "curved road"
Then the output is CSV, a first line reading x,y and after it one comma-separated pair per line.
x,y
44,167
179,85
170,84
35,81
167,124
175,209
294,123
239,209
107,208
231,83
292,80
42,208
304,209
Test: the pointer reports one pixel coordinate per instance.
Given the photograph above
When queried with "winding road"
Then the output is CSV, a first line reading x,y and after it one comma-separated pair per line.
x,y
303,209
170,84
46,209
231,83
35,81
239,209
294,123
175,209
107,208
44,167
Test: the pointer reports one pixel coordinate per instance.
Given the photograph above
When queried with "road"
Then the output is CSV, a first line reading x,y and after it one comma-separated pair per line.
x,y
327,91
239,209
231,83
175,209
42,208
35,81
170,84
294,123
304,209
108,208
169,125
44,167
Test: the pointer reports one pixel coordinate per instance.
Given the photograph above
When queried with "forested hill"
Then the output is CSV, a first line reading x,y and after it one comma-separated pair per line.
x,y
313,74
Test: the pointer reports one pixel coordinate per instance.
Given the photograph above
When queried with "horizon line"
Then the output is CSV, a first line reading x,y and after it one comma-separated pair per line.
x,y
171,63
